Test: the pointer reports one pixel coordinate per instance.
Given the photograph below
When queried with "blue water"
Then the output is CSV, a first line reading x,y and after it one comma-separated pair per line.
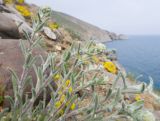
x,y
140,55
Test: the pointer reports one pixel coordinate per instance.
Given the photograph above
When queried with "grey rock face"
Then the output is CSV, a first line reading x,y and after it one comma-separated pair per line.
x,y
18,21
115,36
11,57
14,11
8,29
123,37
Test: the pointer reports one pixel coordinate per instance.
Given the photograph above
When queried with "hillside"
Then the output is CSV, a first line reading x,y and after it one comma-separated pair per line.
x,y
83,29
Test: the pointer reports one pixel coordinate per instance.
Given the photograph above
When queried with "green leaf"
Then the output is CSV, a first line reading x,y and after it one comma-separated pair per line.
x,y
33,93
23,48
26,35
135,106
67,56
96,103
10,99
108,94
15,81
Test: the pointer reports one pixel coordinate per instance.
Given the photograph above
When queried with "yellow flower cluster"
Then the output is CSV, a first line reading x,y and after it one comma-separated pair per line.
x,y
8,1
67,85
57,77
137,97
53,26
73,106
20,1
58,104
23,10
110,67
68,82
63,99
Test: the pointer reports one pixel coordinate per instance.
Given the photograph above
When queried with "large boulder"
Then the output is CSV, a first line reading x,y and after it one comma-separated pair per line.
x,y
12,9
12,57
8,28
19,21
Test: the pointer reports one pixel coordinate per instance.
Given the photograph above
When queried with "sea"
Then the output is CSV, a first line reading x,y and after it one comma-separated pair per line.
x,y
140,56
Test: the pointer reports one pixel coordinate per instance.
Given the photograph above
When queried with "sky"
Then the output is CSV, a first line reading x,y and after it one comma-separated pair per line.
x,y
132,17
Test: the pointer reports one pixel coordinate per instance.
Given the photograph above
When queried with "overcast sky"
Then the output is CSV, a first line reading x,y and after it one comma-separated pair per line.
x,y
120,16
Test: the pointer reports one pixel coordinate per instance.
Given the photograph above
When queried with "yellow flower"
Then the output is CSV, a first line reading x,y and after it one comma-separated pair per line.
x,y
95,59
110,67
73,106
61,112
23,10
68,82
60,92
20,1
56,77
67,103
58,104
70,89
53,26
86,62
62,99
137,97
8,1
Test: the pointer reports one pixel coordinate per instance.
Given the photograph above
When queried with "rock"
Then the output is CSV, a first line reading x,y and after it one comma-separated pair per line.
x,y
4,9
12,9
18,21
1,2
8,28
11,57
57,47
58,34
115,36
122,37
49,33
149,101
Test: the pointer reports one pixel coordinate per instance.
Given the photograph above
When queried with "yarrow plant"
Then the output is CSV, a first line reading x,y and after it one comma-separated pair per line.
x,y
110,66
68,82
23,10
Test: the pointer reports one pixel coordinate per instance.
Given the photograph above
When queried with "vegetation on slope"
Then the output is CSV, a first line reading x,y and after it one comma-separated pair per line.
x,y
77,82
85,30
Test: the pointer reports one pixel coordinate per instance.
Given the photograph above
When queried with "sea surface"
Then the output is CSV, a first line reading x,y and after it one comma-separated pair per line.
x,y
140,55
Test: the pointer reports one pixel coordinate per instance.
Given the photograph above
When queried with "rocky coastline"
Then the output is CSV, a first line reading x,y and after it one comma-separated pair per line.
x,y
57,40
